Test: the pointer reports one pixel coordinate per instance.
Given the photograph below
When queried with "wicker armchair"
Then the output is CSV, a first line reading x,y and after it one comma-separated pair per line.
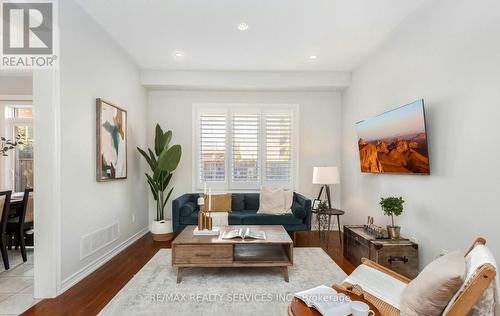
x,y
476,283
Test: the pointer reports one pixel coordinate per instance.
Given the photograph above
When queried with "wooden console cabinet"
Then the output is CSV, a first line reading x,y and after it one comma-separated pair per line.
x,y
399,255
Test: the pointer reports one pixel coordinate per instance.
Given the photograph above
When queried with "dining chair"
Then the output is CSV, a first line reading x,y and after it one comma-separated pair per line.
x,y
19,225
4,216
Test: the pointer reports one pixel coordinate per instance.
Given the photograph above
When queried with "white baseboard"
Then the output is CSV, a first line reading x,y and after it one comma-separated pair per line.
x,y
97,263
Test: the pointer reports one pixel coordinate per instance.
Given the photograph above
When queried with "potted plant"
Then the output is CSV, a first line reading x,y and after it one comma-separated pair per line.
x,y
392,206
7,144
162,162
322,217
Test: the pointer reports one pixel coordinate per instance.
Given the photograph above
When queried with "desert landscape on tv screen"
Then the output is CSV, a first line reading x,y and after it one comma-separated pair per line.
x,y
395,141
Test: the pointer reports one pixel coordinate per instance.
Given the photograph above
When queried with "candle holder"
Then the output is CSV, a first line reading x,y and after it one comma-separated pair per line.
x,y
205,221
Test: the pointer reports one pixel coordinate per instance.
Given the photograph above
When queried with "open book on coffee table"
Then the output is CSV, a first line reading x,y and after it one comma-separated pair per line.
x,y
244,233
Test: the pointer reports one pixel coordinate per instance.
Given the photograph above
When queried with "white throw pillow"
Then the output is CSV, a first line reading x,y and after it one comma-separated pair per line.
x,y
288,201
271,200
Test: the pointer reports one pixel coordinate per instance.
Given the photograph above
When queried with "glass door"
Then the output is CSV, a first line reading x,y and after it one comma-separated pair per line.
x,y
23,157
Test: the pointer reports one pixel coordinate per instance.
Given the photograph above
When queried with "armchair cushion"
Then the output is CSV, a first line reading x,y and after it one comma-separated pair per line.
x,y
188,208
433,288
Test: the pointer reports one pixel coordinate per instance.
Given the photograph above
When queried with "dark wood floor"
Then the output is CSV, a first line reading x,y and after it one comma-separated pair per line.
x,y
91,294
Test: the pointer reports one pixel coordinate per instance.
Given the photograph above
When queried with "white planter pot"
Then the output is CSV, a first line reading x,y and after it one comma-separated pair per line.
x,y
161,230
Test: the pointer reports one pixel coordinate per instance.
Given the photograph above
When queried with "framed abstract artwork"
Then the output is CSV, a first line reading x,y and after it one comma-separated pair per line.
x,y
111,141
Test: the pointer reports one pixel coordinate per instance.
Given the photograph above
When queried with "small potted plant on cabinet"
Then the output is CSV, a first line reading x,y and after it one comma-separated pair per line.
x,y
392,206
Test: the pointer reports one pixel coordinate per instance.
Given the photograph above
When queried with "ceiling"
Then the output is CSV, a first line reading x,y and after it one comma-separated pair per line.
x,y
281,35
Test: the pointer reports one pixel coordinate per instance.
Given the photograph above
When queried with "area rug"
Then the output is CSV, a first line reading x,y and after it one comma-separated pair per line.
x,y
221,291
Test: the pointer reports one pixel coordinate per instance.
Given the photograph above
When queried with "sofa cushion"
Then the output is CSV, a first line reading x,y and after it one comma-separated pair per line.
x,y
191,219
433,288
234,218
244,212
269,219
252,201
188,208
237,202
298,210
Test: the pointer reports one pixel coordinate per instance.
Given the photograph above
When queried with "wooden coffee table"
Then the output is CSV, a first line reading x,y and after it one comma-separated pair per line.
x,y
190,251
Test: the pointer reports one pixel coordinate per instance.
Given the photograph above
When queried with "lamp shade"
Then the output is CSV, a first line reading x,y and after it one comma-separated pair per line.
x,y
326,175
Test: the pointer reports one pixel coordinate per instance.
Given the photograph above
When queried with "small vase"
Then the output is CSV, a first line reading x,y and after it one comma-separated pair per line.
x,y
394,232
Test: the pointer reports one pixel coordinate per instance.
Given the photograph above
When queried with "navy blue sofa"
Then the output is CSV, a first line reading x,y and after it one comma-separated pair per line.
x,y
244,208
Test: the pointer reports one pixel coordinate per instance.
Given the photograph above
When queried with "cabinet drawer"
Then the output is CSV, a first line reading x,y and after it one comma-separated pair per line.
x,y
203,254
401,259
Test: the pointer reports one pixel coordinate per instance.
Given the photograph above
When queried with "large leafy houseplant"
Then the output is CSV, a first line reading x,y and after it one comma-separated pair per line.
x,y
162,162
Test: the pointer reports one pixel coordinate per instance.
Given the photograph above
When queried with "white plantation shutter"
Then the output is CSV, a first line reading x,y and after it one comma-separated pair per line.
x,y
245,132
212,147
241,147
278,148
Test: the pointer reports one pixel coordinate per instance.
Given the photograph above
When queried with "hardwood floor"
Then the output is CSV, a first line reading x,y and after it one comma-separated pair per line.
x,y
91,294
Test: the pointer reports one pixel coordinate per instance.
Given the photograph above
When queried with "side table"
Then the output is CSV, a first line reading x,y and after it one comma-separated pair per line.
x,y
329,212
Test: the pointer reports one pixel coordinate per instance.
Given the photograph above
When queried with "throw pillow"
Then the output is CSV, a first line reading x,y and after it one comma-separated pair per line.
x,y
220,202
271,201
434,287
288,201
298,210
187,209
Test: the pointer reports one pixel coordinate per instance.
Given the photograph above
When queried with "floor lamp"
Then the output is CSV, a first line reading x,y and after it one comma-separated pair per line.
x,y
326,176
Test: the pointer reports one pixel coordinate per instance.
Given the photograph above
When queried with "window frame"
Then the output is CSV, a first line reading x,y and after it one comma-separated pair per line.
x,y
231,108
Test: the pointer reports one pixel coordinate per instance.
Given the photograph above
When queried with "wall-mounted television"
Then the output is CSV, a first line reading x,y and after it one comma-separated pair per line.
x,y
395,141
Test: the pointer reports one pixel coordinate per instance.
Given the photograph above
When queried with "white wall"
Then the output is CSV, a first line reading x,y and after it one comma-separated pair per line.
x,y
93,66
319,140
16,84
449,55
246,80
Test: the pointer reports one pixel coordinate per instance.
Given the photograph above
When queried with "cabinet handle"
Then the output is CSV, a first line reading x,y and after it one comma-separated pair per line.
x,y
203,254
392,259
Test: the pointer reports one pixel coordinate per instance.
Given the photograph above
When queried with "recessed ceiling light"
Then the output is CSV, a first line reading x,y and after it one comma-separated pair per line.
x,y
242,26
313,57
178,54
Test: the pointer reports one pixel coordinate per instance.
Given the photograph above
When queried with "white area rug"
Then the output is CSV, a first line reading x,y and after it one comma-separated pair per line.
x,y
221,291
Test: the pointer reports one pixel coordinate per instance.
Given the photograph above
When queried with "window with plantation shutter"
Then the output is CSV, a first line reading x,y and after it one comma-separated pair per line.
x,y
212,147
245,134
242,147
278,147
